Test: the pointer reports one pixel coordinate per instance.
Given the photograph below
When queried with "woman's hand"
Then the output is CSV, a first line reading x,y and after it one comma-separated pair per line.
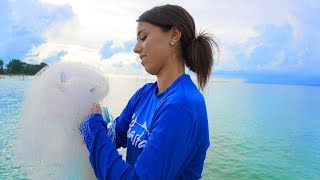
x,y
84,125
96,109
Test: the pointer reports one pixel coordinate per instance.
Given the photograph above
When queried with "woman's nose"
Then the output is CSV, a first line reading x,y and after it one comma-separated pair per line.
x,y
137,48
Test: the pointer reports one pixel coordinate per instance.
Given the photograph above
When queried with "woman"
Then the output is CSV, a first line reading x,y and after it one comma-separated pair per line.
x,y
164,125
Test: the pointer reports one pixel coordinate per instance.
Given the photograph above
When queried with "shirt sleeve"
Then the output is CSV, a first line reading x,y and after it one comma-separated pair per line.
x,y
172,136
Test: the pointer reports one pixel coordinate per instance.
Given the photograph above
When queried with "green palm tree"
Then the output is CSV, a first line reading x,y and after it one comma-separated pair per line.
x,y
1,64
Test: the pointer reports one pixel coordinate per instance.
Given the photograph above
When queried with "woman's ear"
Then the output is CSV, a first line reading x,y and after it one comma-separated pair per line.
x,y
176,35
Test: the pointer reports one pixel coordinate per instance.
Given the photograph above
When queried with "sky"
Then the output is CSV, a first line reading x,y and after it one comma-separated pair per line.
x,y
269,37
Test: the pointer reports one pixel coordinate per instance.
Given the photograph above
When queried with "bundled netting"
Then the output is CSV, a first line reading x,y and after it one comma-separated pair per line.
x,y
60,97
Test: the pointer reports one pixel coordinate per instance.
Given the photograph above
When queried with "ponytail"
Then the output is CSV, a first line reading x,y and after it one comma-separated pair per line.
x,y
199,57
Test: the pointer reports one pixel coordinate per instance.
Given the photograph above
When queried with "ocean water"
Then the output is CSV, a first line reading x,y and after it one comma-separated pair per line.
x,y
263,131
257,131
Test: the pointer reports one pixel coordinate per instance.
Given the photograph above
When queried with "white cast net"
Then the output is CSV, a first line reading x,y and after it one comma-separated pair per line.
x,y
50,145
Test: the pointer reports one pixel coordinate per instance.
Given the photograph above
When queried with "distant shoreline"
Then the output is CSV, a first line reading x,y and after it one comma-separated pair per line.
x,y
5,76
13,75
235,80
149,77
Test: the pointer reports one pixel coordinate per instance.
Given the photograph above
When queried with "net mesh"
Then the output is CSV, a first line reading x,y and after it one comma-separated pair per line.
x,y
59,98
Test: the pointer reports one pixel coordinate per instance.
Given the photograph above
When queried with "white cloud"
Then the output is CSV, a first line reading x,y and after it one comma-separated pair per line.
x,y
83,35
69,37
226,61
123,63
95,22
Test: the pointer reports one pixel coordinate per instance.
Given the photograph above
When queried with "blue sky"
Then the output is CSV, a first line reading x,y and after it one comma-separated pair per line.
x,y
274,37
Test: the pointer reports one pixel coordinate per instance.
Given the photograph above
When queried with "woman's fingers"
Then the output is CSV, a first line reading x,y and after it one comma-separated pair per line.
x,y
96,109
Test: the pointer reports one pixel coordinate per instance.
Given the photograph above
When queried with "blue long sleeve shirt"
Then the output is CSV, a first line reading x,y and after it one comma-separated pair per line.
x,y
166,135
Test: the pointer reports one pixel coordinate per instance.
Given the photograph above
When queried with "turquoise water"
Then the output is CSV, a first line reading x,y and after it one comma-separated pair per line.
x,y
12,91
263,131
257,131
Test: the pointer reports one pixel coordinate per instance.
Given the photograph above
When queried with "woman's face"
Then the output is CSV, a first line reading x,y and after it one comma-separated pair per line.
x,y
153,46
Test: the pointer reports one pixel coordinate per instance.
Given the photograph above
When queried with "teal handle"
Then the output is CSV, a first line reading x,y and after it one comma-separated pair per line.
x,y
106,115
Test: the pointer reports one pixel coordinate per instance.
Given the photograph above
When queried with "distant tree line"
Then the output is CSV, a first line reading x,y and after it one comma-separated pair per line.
x,y
17,67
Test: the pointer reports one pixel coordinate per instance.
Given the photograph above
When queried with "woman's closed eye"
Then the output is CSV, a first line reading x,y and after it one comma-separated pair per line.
x,y
143,38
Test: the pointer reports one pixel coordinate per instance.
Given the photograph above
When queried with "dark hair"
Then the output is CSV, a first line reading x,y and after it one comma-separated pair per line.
x,y
197,51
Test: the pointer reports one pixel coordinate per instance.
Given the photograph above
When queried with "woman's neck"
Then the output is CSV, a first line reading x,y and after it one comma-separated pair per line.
x,y
169,74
